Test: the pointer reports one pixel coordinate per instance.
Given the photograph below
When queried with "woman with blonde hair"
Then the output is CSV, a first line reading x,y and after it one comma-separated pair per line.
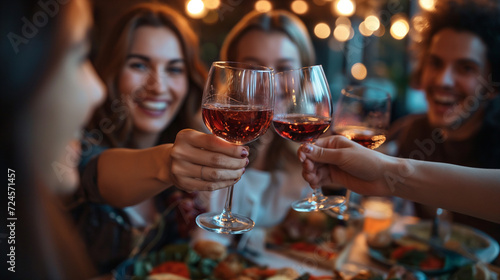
x,y
154,80
276,39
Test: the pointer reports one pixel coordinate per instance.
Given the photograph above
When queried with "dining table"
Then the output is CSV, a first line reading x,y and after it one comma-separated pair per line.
x,y
354,258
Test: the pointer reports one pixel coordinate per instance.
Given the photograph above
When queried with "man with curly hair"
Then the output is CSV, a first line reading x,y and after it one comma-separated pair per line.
x,y
457,67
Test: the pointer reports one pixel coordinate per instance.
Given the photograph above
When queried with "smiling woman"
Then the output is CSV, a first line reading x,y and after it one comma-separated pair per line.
x,y
153,81
139,154
151,67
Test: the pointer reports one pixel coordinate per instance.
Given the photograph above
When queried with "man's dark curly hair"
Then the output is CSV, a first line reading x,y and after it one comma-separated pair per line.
x,y
480,17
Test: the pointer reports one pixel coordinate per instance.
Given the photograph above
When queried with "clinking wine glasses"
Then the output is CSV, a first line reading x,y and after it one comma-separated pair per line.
x,y
362,114
302,112
237,106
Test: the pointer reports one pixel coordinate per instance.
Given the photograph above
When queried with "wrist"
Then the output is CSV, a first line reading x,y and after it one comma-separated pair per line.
x,y
163,161
396,172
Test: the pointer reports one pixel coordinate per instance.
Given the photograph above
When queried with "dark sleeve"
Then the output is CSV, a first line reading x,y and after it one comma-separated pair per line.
x,y
88,189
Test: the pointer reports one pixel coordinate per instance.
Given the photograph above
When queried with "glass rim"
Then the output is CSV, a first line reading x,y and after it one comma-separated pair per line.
x,y
347,91
302,68
236,66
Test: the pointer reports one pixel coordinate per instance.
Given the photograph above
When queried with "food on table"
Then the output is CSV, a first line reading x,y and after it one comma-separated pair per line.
x,y
287,272
478,271
367,275
210,249
166,276
411,253
173,267
471,239
380,239
307,233
415,257
229,268
398,272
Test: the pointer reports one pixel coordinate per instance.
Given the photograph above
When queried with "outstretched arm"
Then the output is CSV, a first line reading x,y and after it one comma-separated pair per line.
x,y
339,161
195,162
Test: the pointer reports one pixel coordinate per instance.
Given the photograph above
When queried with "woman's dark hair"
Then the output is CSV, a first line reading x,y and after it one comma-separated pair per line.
x,y
45,246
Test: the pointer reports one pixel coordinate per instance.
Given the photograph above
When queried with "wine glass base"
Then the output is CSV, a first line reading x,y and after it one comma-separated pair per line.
x,y
219,223
311,204
346,212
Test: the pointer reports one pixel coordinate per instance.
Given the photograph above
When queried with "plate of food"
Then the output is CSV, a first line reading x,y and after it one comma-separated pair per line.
x,y
205,260
462,237
415,254
313,235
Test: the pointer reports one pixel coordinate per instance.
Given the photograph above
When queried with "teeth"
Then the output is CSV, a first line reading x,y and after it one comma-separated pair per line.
x,y
154,105
444,99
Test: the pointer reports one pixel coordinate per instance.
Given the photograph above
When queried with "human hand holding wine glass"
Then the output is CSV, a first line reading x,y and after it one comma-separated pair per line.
x,y
237,106
362,115
302,113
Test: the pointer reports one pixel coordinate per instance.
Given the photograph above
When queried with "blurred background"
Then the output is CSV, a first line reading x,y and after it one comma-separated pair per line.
x,y
356,41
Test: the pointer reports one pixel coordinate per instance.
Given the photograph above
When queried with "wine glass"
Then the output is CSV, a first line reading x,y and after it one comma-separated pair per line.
x,y
362,114
237,106
302,112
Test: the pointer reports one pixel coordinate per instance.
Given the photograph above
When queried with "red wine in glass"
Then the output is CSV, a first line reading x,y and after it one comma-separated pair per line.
x,y
237,123
368,137
301,128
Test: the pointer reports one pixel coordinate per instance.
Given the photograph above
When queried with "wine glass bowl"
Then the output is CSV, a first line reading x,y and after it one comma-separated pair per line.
x,y
302,113
362,115
237,106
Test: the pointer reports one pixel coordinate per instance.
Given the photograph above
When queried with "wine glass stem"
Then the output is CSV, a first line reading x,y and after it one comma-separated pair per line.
x,y
347,196
226,213
317,194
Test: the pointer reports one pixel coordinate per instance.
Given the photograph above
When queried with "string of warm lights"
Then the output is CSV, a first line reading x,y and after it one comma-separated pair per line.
x,y
343,30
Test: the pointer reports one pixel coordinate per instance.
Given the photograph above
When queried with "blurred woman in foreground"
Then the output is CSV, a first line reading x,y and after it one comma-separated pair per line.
x,y
48,94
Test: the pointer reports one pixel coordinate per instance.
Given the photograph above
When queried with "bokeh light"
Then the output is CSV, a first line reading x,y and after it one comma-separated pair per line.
x,y
322,30
342,32
263,6
299,7
427,5
419,23
364,30
212,4
211,18
343,20
380,31
358,71
196,9
399,28
344,7
372,23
